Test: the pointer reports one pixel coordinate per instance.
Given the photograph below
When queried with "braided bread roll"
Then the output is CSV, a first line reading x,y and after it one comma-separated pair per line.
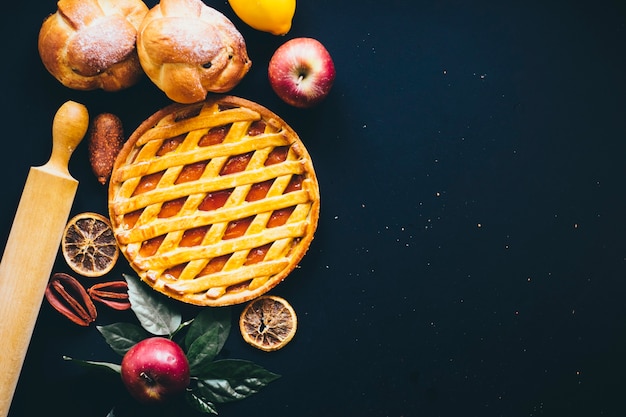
x,y
189,49
90,44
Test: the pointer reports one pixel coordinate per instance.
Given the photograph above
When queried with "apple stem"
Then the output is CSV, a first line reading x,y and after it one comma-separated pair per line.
x,y
300,78
147,378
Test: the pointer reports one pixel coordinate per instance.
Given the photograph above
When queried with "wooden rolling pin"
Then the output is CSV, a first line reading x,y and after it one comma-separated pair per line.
x,y
33,243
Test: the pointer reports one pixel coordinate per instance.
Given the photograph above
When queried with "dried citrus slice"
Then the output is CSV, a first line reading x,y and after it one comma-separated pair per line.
x,y
268,323
88,245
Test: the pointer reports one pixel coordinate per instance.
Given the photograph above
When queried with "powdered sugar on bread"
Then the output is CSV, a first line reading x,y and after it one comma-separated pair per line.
x,y
90,44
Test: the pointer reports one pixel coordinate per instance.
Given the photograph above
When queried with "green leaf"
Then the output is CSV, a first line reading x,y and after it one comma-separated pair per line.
x,y
203,350
207,320
200,404
122,336
101,365
232,380
206,337
154,315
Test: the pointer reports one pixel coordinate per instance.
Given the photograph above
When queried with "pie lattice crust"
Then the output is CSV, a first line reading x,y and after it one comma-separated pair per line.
x,y
214,203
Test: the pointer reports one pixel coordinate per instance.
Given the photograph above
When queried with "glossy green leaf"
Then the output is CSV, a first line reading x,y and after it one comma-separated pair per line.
x,y
232,380
100,365
208,319
203,350
206,337
122,336
154,314
200,404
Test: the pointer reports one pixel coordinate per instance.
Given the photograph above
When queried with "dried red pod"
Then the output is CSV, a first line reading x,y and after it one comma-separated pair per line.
x,y
66,295
113,294
105,140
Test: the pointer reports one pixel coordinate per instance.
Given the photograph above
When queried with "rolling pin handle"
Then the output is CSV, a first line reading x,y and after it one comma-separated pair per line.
x,y
68,129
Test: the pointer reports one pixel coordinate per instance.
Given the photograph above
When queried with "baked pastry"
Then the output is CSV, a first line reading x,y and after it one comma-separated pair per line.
x,y
90,44
189,49
214,203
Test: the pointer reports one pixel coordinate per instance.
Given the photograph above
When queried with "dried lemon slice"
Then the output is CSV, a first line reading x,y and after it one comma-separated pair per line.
x,y
88,245
268,323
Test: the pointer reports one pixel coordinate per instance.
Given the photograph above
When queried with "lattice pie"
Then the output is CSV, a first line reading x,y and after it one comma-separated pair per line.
x,y
214,203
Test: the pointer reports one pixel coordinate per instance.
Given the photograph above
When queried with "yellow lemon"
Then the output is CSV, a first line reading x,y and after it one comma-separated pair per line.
x,y
273,16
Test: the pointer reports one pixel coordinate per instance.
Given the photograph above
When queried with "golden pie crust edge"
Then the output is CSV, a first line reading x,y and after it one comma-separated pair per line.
x,y
234,294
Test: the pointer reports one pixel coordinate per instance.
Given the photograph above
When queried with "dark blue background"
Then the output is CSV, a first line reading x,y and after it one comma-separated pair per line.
x,y
471,252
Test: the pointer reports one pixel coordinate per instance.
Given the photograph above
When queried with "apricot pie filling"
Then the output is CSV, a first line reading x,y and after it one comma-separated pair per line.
x,y
214,203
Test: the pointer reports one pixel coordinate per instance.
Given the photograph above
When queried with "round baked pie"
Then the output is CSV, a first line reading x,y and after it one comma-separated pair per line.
x,y
214,203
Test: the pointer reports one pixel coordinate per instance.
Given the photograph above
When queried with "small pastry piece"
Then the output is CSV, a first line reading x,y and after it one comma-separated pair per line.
x,y
91,44
214,203
189,49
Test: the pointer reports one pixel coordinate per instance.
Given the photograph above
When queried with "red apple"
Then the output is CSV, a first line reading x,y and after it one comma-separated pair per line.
x,y
301,72
155,370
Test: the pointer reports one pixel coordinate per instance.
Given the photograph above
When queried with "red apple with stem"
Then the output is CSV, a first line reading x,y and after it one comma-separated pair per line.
x,y
155,370
301,72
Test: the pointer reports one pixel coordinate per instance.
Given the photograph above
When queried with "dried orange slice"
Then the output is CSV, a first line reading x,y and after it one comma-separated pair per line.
x,y
268,323
88,245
